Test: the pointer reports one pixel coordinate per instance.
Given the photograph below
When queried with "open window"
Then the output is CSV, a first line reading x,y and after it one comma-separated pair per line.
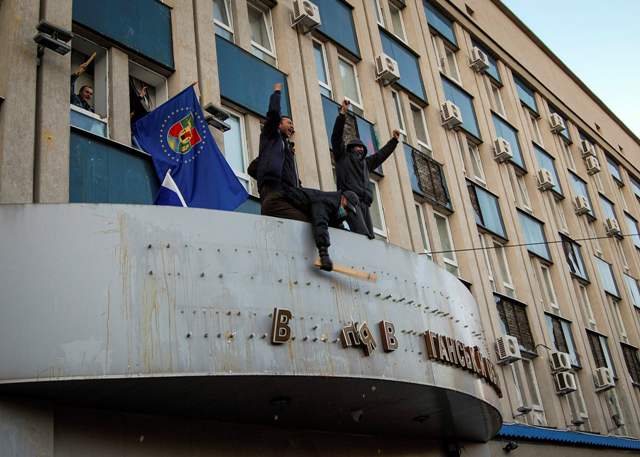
x,y
88,98
147,90
235,147
377,213
350,84
223,19
262,41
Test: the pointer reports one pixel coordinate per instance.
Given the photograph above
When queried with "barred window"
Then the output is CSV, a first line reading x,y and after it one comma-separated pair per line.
x,y
430,179
515,321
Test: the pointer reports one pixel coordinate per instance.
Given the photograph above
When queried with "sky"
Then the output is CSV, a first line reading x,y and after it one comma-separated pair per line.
x,y
599,40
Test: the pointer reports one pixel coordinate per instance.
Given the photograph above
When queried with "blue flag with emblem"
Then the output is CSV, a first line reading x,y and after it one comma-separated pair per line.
x,y
192,170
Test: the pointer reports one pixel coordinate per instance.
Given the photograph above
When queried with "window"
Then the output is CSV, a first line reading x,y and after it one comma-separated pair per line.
x,y
222,18
573,256
514,321
614,169
495,99
427,177
349,79
534,236
600,351
262,43
633,363
564,133
617,317
235,148
485,243
420,126
549,294
440,22
408,64
532,384
566,150
562,338
534,127
585,306
89,108
471,158
379,15
548,163
526,94
506,131
503,268
464,102
519,190
424,234
446,243
632,226
397,22
446,58
634,290
580,188
487,210
322,68
578,407
635,185
607,207
558,214
606,276
377,213
397,104
147,90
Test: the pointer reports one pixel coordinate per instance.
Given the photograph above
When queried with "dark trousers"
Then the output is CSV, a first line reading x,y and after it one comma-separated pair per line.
x,y
360,222
276,204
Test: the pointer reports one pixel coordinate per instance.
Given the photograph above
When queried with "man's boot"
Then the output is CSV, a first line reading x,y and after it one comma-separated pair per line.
x,y
325,261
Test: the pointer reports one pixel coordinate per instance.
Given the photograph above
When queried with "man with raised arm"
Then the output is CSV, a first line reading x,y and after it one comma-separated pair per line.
x,y
276,170
353,167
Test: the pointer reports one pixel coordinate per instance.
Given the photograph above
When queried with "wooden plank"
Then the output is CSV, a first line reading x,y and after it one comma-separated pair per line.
x,y
350,272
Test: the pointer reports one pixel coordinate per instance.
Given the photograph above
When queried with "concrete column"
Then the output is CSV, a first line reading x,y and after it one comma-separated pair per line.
x,y
184,48
26,429
119,109
51,177
18,19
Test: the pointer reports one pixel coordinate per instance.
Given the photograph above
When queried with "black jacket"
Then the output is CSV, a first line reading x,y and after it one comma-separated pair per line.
x,y
75,98
276,165
352,170
323,208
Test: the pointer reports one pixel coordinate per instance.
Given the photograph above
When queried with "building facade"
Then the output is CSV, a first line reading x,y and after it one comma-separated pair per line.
x,y
530,196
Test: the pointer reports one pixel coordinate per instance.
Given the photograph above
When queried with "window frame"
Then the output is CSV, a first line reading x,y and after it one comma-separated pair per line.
x,y
382,231
268,23
323,50
567,335
423,118
604,348
424,232
358,104
402,38
503,264
443,49
242,176
379,13
452,262
229,28
397,104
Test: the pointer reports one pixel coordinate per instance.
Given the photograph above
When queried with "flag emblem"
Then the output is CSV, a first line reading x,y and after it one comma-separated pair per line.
x,y
183,135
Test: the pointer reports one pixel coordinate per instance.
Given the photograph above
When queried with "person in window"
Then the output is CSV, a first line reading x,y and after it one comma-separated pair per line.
x,y
139,100
275,168
85,94
353,167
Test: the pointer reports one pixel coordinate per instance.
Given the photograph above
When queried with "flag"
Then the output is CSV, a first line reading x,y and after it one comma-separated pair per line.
x,y
192,170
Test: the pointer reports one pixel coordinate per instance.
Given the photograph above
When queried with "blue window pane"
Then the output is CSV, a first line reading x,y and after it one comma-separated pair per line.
x,y
580,188
565,132
410,76
526,94
534,236
143,26
607,208
510,134
88,123
493,63
440,22
337,24
233,62
606,276
104,172
614,169
547,162
489,217
464,101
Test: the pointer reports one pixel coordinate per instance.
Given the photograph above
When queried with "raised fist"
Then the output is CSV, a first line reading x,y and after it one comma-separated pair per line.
x,y
396,134
344,107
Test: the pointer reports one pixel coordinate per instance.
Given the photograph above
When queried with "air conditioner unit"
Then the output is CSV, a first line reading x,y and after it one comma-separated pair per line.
x,y
582,205
560,361
507,349
479,60
306,15
603,378
387,70
593,165
565,382
450,114
502,150
557,123
587,149
545,180
611,226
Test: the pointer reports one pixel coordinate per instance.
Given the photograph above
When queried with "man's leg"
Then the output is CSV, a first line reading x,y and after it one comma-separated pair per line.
x,y
357,223
366,215
276,205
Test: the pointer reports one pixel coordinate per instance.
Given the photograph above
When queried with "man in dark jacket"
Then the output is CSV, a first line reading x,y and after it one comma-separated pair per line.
x,y
353,167
276,172
84,95
326,209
